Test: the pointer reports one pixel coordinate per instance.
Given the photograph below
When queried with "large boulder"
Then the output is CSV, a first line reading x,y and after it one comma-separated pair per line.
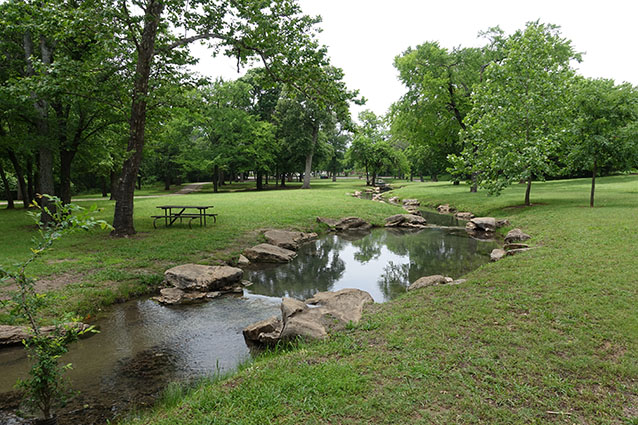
x,y
352,223
406,220
516,235
425,281
288,239
314,318
267,253
197,277
481,224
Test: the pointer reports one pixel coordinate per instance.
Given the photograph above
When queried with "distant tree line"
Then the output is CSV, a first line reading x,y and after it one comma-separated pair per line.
x,y
512,111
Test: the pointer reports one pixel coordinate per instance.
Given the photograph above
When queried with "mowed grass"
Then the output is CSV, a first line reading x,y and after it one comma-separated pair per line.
x,y
548,336
90,270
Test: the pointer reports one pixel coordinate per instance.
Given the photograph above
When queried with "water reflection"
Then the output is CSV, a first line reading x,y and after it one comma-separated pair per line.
x,y
383,262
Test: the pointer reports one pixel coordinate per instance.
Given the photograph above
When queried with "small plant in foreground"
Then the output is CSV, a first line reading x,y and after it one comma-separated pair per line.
x,y
45,387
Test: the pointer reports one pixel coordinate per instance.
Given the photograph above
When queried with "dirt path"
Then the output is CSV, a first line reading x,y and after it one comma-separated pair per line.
x,y
189,188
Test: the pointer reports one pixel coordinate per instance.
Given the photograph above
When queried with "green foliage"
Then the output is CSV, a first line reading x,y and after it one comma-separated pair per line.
x,y
430,114
604,128
45,386
520,110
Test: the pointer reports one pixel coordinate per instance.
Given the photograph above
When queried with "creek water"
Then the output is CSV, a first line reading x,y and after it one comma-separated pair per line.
x,y
142,346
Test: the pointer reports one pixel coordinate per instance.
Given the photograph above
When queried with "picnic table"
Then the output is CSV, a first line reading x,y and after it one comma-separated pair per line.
x,y
192,212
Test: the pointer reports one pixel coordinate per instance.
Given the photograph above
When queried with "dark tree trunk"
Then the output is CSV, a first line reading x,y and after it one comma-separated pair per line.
x,y
421,178
123,217
259,177
26,199
308,167
216,179
167,181
435,178
31,181
528,189
593,185
456,182
474,186
66,158
45,154
267,174
374,178
7,189
283,179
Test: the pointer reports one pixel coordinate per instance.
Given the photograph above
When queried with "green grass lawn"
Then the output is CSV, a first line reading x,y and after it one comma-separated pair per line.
x,y
548,336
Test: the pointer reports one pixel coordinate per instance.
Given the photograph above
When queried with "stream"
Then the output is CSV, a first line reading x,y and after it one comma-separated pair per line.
x,y
142,346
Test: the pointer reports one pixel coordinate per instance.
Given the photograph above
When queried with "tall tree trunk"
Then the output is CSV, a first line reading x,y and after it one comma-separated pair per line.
x,y
435,178
66,158
216,178
593,185
283,179
528,189
308,167
26,200
474,186
31,180
123,217
45,160
258,177
7,189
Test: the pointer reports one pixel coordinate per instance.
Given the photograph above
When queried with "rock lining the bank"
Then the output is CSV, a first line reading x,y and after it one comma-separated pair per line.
x,y
406,220
311,319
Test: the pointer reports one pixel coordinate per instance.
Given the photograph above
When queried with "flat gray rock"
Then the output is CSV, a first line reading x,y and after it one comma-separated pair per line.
x,y
411,203
406,220
267,253
198,277
352,223
331,222
424,281
464,215
481,224
516,235
13,335
288,239
497,254
445,209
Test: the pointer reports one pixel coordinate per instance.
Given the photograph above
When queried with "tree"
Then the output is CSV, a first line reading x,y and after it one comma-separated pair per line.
x,y
275,32
604,130
439,85
371,150
518,118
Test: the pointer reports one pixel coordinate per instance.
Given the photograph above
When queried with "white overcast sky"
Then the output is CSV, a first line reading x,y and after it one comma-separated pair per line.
x,y
364,36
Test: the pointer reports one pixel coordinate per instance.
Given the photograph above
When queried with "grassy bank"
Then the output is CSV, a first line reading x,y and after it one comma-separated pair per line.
x,y
87,271
548,336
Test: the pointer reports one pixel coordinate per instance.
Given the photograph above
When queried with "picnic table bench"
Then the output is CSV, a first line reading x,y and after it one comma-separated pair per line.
x,y
174,212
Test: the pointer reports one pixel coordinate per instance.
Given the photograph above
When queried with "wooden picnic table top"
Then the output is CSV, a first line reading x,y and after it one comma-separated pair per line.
x,y
201,207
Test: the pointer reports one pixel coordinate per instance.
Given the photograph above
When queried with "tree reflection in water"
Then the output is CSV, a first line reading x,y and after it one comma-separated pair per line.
x,y
383,262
